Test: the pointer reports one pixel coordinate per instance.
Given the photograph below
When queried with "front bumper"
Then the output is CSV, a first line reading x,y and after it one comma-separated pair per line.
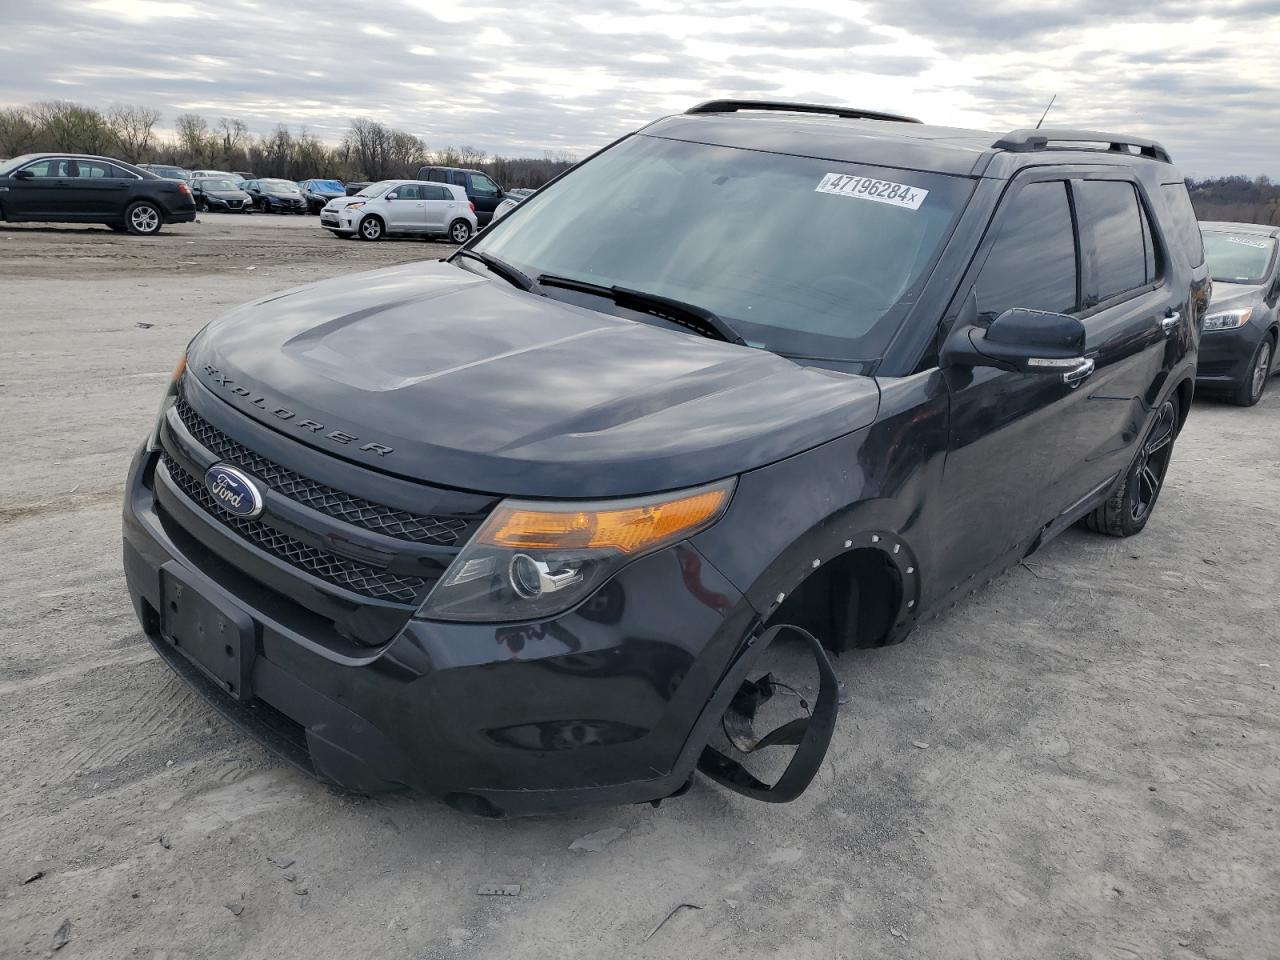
x,y
610,703
1226,356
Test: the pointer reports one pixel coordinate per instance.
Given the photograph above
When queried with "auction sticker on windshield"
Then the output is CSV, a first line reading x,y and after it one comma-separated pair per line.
x,y
866,188
1260,244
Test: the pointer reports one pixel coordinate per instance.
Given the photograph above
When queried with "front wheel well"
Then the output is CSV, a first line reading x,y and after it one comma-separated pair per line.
x,y
851,602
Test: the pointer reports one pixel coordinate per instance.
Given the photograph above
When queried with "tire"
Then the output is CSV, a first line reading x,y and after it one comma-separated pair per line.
x,y
460,231
371,228
1132,501
1250,391
143,219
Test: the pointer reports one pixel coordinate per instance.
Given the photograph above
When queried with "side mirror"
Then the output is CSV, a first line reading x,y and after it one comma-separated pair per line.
x,y
393,196
1029,341
24,175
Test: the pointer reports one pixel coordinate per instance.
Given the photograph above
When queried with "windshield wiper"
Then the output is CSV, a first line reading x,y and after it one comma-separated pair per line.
x,y
696,318
503,269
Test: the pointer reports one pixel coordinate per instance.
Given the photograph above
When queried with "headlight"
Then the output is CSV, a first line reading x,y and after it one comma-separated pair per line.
x,y
1227,319
168,400
534,559
354,206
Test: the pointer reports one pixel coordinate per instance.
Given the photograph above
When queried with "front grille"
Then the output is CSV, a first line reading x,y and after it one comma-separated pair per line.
x,y
441,531
356,577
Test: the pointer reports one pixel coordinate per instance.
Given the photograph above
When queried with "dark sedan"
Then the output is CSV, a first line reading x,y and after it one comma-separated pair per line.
x,y
275,196
1241,330
221,195
319,192
75,188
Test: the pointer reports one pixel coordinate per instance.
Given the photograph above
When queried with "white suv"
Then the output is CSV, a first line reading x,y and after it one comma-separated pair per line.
x,y
402,206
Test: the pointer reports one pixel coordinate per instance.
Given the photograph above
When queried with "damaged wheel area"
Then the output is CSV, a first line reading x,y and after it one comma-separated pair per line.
x,y
856,600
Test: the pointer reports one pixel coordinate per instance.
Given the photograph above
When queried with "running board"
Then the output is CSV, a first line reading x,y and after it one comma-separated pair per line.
x,y
810,735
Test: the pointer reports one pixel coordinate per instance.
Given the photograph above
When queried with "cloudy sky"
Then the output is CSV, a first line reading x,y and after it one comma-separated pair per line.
x,y
570,75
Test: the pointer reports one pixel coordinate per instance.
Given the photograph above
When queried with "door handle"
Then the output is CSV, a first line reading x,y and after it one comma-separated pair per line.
x,y
1170,323
1080,373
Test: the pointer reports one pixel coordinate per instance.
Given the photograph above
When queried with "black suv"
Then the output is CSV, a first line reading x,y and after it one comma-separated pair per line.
x,y
1242,328
516,527
78,188
481,189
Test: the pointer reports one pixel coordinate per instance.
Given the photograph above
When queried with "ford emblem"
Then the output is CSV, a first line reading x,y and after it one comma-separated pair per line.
x,y
233,490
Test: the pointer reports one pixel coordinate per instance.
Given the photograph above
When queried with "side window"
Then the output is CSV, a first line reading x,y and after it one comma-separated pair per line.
x,y
41,168
437,193
1033,262
482,186
1184,220
436,175
408,191
1115,247
92,169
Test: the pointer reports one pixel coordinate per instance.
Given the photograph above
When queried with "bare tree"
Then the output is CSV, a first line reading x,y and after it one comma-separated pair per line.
x,y
18,131
193,136
70,126
134,129
235,134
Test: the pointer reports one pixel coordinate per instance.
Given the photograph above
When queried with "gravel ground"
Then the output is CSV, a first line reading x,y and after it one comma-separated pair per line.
x,y
1080,761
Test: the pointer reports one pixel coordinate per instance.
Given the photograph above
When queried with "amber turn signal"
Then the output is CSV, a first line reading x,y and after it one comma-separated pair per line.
x,y
630,528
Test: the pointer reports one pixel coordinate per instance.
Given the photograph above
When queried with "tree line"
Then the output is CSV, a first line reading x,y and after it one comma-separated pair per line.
x,y
370,150
1237,199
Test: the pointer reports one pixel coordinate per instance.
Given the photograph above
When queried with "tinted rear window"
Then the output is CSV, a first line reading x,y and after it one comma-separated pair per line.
x,y
1111,217
1184,221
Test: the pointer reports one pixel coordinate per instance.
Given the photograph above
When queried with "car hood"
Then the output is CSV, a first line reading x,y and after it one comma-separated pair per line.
x,y
1227,296
474,384
226,194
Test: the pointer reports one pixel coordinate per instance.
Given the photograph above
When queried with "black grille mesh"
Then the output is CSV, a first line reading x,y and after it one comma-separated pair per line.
x,y
443,531
356,577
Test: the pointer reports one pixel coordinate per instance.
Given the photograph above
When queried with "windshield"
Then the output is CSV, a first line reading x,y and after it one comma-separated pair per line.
x,y
1238,257
217,185
8,165
280,186
377,189
808,257
327,186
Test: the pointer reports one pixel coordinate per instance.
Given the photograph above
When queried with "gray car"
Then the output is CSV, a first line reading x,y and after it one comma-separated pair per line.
x,y
1242,327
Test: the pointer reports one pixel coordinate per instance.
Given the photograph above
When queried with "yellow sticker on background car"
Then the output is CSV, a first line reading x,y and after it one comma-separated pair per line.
x,y
868,188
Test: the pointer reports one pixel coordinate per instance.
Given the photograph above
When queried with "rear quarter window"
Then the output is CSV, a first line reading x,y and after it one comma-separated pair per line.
x,y
1185,227
1116,245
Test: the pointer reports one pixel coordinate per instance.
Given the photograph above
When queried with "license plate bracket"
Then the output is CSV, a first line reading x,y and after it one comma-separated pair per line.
x,y
216,636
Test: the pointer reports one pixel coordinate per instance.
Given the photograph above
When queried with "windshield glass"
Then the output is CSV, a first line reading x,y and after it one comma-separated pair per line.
x,y
281,186
1238,257
217,185
807,257
377,189
327,186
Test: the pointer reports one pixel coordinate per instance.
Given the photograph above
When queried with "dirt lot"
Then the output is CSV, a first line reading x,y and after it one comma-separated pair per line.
x,y
1081,761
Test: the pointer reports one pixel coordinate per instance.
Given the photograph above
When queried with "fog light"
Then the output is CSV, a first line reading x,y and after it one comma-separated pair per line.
x,y
525,579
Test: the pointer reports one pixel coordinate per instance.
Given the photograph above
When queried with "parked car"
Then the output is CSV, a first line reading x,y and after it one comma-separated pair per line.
x,y
501,210
212,174
241,175
221,194
1240,333
480,187
519,193
355,186
78,188
165,170
275,196
402,207
319,192
516,527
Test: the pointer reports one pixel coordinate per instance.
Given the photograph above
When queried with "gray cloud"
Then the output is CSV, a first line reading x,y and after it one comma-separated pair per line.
x,y
571,75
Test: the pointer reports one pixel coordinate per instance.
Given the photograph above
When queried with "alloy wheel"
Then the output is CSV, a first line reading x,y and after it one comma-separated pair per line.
x,y
1153,461
1262,369
145,219
461,232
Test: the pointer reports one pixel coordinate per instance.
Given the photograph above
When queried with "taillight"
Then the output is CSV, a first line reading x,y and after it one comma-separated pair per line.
x,y
183,188
472,205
